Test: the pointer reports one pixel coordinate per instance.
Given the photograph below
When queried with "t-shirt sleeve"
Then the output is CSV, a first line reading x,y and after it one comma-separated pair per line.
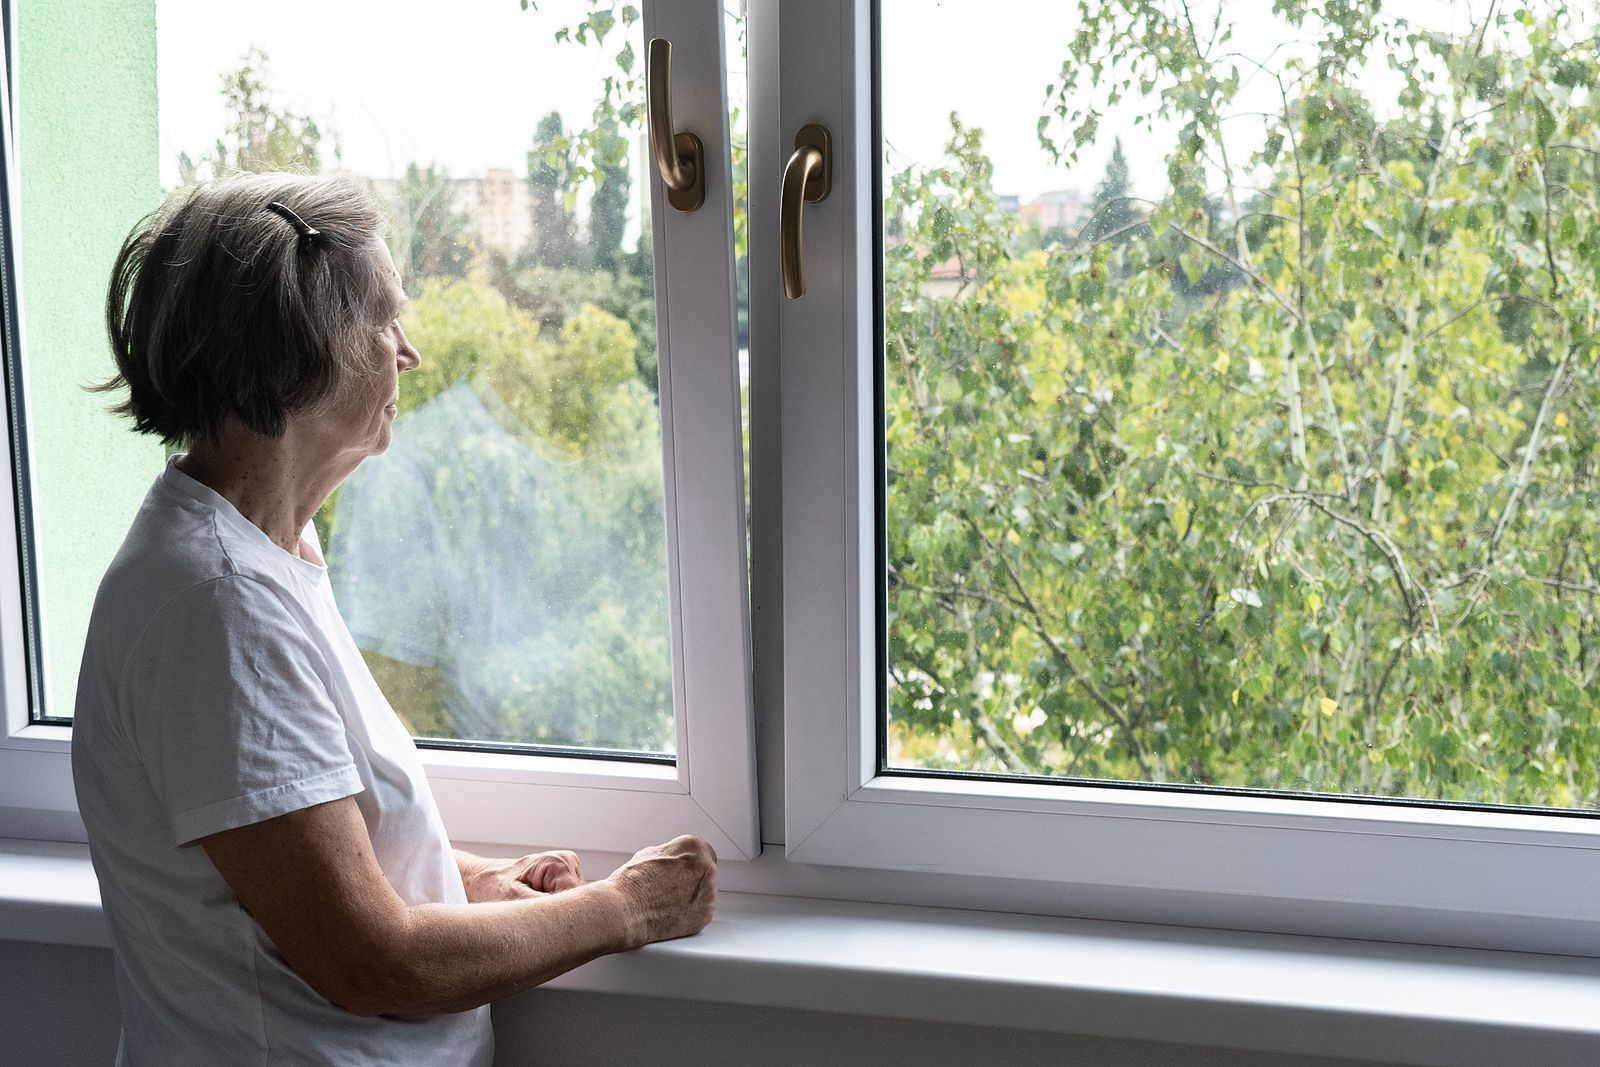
x,y
383,560
230,713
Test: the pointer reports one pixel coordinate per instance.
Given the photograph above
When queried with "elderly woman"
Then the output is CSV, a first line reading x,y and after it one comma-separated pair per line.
x,y
277,881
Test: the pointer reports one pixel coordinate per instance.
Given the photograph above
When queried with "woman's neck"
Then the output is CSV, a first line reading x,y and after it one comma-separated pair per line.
x,y
277,483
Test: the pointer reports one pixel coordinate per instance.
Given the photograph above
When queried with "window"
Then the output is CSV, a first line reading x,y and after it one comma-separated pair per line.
x,y
1224,479
1171,492
546,571
1170,497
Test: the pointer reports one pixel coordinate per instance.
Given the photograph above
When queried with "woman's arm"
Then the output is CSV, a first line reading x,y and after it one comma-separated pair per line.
x,y
310,879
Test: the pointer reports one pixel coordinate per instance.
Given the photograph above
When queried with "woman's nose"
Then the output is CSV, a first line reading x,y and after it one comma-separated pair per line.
x,y
407,357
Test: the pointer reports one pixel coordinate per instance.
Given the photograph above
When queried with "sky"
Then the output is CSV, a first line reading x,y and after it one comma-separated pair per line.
x,y
955,55
466,91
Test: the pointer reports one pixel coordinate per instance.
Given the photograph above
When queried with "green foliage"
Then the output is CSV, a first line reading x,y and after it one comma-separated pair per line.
x,y
1111,214
594,358
599,671
552,294
608,207
620,105
462,326
428,234
550,185
555,387
1291,491
260,137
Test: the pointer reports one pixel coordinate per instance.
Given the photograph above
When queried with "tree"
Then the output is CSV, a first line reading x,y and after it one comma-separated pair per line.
x,y
535,459
430,236
549,185
1111,212
1328,527
260,137
608,207
553,295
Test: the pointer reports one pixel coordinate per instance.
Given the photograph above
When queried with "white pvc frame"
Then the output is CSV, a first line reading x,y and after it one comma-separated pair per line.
x,y
620,806
36,797
1448,876
527,801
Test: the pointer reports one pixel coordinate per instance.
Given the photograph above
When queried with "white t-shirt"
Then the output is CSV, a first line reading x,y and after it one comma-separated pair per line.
x,y
219,688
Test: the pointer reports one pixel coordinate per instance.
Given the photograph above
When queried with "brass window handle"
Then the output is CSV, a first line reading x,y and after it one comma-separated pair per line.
x,y
807,178
680,158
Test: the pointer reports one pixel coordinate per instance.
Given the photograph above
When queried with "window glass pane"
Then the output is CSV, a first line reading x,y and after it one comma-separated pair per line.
x,y
503,565
1240,395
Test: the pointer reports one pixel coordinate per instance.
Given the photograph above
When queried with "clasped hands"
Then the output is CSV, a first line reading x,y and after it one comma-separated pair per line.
x,y
667,890
533,875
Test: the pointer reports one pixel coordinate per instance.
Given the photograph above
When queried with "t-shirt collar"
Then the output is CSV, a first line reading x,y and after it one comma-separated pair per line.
x,y
314,567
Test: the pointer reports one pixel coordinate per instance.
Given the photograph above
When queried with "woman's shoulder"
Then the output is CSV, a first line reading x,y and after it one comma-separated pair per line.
x,y
172,544
177,551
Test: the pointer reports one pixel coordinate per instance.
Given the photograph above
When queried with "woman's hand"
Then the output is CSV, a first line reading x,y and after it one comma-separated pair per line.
x,y
538,874
670,889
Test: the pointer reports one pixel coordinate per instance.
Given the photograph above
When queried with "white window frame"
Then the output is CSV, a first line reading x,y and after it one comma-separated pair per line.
x,y
1346,868
620,806
36,796
514,800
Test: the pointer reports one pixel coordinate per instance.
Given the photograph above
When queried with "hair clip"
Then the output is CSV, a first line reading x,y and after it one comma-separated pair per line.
x,y
308,233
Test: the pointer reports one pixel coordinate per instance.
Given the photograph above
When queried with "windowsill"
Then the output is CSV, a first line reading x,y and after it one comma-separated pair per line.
x,y
1262,992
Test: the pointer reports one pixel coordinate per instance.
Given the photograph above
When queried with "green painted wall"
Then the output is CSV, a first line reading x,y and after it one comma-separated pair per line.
x,y
87,147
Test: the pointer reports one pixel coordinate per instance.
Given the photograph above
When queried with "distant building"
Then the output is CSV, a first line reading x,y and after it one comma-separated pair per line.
x,y
947,280
497,204
1062,209
1009,204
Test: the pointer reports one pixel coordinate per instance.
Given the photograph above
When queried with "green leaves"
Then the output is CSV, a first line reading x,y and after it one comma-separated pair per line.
x,y
1093,484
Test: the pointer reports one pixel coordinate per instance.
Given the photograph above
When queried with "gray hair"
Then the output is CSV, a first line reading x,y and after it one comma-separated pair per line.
x,y
221,306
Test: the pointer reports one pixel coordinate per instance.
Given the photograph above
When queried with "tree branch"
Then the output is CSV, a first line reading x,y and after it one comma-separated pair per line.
x,y
987,731
1246,483
1074,672
1257,279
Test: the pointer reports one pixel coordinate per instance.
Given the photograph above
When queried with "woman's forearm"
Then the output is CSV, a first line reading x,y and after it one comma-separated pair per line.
x,y
312,882
452,957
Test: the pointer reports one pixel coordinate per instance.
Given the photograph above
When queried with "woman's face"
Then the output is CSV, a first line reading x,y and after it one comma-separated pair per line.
x,y
365,419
